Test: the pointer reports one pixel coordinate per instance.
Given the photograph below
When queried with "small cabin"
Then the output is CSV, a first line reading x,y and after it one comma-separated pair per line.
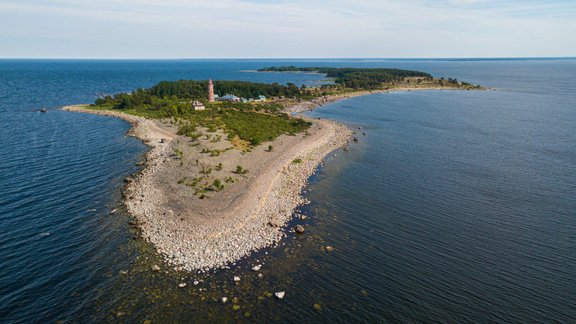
x,y
198,105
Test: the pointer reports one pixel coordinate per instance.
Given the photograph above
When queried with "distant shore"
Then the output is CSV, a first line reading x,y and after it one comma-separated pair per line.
x,y
251,214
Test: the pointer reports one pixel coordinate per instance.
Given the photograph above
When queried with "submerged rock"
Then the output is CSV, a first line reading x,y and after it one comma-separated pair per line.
x,y
299,229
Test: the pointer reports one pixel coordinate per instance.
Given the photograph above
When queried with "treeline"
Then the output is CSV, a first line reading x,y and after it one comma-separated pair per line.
x,y
158,95
199,89
355,78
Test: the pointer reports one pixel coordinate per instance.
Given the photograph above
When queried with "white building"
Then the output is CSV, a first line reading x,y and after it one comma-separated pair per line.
x,y
198,105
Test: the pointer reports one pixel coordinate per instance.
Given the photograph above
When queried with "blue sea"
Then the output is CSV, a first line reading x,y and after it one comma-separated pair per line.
x,y
454,206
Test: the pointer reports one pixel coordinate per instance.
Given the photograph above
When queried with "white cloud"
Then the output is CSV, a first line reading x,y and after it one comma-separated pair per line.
x,y
337,28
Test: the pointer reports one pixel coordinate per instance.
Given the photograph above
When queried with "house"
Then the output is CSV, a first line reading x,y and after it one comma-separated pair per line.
x,y
230,98
260,98
198,105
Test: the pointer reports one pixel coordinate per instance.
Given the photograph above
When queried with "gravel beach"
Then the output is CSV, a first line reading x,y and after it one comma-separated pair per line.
x,y
249,214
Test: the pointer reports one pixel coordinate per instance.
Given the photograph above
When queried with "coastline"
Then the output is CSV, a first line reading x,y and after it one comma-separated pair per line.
x,y
199,235
309,105
251,217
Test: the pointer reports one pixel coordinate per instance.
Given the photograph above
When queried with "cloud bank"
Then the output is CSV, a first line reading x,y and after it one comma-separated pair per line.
x,y
277,28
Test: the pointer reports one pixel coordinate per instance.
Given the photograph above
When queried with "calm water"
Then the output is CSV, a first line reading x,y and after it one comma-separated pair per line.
x,y
456,206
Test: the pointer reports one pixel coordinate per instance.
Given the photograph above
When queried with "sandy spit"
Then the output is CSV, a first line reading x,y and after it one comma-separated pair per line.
x,y
252,220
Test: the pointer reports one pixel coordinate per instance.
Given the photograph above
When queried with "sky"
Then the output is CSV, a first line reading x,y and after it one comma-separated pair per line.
x,y
287,29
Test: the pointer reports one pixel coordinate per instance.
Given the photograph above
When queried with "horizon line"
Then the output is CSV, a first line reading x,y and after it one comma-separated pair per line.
x,y
296,58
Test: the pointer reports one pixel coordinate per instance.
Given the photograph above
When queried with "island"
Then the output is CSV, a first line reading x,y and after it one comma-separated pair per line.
x,y
228,159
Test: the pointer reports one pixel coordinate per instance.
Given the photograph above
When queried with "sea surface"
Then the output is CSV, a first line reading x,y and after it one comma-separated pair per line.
x,y
454,206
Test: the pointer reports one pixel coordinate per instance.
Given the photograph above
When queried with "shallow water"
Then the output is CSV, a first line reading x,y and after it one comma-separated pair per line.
x,y
455,206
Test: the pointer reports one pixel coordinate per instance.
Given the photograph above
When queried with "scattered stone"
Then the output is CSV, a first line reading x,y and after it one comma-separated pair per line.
x,y
196,282
280,294
299,229
224,300
236,279
113,211
182,285
155,268
257,267
329,248
123,272
260,275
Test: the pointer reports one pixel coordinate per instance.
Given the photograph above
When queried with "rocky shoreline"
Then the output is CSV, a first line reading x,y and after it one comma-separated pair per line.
x,y
254,220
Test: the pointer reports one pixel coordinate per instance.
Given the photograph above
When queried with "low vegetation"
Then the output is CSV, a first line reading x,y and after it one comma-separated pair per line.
x,y
240,170
255,122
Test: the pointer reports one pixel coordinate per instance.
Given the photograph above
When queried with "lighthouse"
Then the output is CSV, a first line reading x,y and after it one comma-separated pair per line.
x,y
210,91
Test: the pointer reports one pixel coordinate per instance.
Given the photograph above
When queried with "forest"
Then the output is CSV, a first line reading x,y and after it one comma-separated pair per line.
x,y
355,78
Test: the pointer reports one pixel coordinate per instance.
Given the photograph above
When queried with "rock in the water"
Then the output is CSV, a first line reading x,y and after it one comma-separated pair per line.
x,y
182,285
196,282
257,267
329,248
155,268
260,275
280,294
224,300
299,229
236,279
